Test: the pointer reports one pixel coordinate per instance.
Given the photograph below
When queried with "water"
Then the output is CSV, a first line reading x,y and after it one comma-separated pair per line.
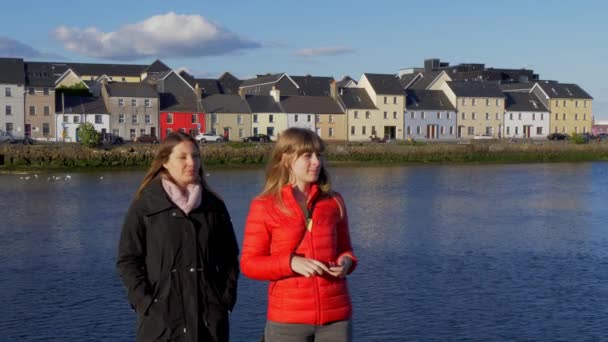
x,y
475,253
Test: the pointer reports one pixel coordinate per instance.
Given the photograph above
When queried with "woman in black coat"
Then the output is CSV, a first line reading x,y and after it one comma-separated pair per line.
x,y
178,255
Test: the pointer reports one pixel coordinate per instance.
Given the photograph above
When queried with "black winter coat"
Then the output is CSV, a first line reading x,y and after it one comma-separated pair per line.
x,y
180,271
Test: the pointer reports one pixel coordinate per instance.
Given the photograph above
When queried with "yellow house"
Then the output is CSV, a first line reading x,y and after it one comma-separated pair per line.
x,y
479,108
388,96
230,115
570,107
359,108
267,117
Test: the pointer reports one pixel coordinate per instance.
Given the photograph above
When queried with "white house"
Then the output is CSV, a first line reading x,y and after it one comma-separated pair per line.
x,y
525,116
74,110
429,115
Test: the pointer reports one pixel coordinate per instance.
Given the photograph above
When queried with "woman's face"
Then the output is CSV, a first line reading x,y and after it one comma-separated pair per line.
x,y
306,168
183,163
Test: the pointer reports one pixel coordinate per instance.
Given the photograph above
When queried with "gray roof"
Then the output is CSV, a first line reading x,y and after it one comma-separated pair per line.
x,y
427,77
516,86
208,86
356,98
225,103
263,104
81,104
12,71
344,81
155,77
228,83
262,79
132,70
406,79
310,104
523,102
427,100
122,89
385,84
313,85
157,66
564,90
172,102
39,74
475,89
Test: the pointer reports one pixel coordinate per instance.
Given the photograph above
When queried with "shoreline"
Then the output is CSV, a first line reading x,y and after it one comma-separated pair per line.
x,y
137,157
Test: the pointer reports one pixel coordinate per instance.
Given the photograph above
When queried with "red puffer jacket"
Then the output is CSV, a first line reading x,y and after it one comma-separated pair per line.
x,y
271,235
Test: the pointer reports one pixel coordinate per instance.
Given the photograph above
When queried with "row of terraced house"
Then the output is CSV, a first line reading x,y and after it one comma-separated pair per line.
x,y
434,102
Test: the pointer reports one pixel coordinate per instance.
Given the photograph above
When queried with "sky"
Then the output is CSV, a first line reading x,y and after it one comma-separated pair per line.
x,y
559,40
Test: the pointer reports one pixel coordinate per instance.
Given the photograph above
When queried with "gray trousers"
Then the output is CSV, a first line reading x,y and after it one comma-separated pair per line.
x,y
341,331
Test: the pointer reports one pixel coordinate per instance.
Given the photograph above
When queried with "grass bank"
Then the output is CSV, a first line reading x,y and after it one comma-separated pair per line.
x,y
52,157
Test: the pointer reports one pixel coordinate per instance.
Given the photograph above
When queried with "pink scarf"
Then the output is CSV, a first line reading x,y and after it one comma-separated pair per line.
x,y
187,201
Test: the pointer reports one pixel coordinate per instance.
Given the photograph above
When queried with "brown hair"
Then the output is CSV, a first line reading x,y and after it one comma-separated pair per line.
x,y
293,142
162,156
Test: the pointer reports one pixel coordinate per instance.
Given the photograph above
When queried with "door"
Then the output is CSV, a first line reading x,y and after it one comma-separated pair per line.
x,y
153,131
226,133
28,130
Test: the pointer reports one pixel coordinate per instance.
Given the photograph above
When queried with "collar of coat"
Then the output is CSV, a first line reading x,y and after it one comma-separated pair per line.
x,y
287,195
155,199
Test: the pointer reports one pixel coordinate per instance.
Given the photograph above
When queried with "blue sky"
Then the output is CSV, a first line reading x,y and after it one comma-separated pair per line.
x,y
560,40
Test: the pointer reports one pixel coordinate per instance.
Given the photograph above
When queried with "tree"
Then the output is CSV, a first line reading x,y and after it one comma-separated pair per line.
x,y
78,89
87,135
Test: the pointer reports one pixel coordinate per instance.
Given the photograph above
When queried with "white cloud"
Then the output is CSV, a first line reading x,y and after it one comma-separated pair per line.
x,y
324,51
165,35
12,48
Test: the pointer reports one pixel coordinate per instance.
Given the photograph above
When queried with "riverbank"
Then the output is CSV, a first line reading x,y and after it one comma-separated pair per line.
x,y
52,157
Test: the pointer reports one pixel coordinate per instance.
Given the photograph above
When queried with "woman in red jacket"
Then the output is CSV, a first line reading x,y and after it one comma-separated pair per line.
x,y
296,237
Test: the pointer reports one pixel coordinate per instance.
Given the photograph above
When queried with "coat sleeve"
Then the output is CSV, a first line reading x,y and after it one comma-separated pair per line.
x,y
131,261
231,260
344,244
256,260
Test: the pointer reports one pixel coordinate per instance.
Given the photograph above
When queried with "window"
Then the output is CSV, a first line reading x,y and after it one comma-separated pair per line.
x,y
193,118
241,132
510,116
331,131
66,119
556,103
169,118
121,102
447,115
585,117
556,117
473,116
508,130
134,119
363,130
317,118
394,115
309,118
438,115
121,118
46,129
385,115
295,118
519,116
270,119
7,92
395,100
487,116
356,114
32,110
464,101
168,131
270,131
239,119
132,133
516,130
331,120
8,110
147,103
385,100
422,116
442,130
31,91
408,130
489,130
563,129
47,110
418,130
352,130
533,116
471,130
142,131
539,131
498,102
464,116
575,130
9,127
564,103
473,102
497,117
255,130
564,116
451,130
255,118
487,102
542,116
133,102
584,129
76,119
45,91
367,114
148,119
576,104
98,119
373,130
576,116
413,115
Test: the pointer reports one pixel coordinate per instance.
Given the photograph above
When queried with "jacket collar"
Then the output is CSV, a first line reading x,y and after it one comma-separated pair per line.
x,y
288,197
157,200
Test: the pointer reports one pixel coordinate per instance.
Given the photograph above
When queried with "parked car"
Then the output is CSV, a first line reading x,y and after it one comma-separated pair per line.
x,y
557,136
263,138
205,137
9,138
146,138
602,136
483,137
375,138
110,139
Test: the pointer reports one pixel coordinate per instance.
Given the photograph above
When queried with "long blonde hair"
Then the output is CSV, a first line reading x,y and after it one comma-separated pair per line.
x,y
162,156
293,142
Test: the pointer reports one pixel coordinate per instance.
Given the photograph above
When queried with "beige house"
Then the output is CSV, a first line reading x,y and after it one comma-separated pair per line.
x,y
479,108
326,113
267,116
359,107
388,95
39,101
230,116
570,107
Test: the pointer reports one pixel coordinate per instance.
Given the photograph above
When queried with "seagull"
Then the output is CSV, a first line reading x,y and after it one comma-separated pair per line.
x,y
68,177
101,177
36,176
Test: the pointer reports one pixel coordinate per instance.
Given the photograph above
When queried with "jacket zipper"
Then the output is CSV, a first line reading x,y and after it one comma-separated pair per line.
x,y
314,278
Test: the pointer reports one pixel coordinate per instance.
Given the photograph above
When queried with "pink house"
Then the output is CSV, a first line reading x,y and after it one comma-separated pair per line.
x,y
599,127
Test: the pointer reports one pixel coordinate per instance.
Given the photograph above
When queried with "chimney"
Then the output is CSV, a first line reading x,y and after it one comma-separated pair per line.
x,y
333,89
197,91
276,94
242,92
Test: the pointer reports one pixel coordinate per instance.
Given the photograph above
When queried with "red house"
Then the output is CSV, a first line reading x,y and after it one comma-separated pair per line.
x,y
190,122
